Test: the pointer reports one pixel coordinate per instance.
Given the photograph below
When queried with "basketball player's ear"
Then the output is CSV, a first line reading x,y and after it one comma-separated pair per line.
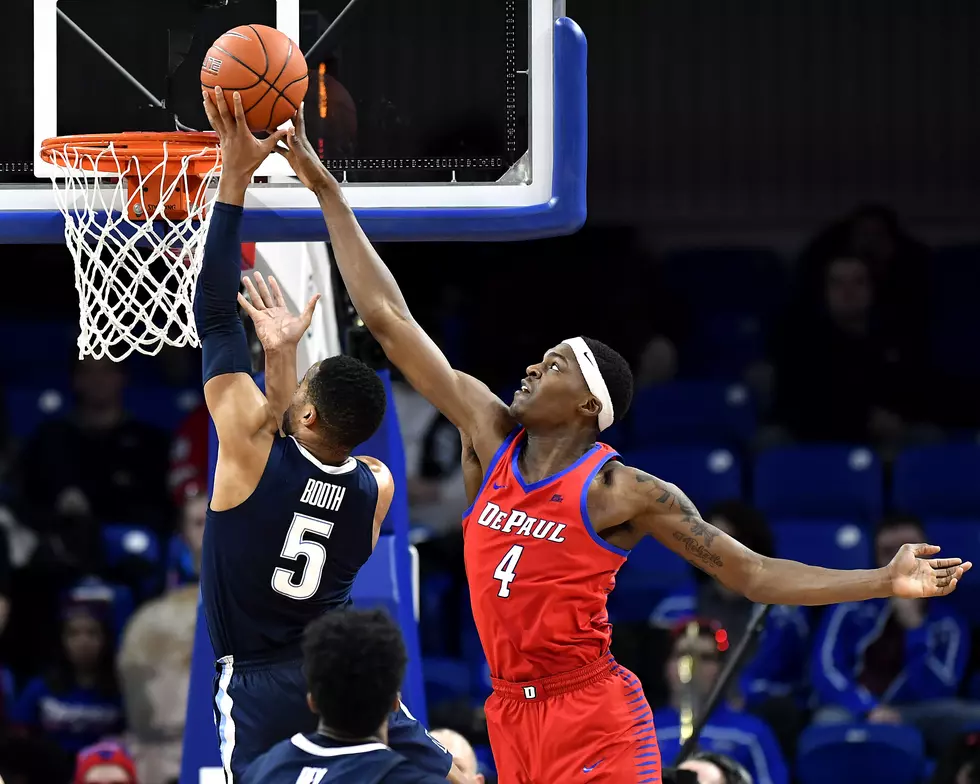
x,y
309,415
311,704
592,406
397,706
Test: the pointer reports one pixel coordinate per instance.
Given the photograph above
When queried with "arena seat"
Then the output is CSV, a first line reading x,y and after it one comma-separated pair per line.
x,y
23,359
834,544
819,482
692,412
122,542
847,754
650,572
938,481
162,406
723,345
446,680
29,405
743,279
959,538
706,475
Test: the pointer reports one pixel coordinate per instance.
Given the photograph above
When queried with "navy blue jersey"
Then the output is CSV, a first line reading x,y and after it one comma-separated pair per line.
x,y
317,759
287,554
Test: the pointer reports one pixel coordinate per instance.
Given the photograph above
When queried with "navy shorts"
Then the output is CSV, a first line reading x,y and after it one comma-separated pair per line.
x,y
256,706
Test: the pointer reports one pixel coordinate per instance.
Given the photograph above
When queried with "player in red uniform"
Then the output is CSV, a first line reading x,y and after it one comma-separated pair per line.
x,y
554,518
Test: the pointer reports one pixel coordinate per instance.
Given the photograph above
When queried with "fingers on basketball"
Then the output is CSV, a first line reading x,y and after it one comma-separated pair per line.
x,y
222,103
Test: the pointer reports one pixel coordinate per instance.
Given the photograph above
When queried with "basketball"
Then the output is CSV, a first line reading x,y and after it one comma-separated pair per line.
x,y
265,67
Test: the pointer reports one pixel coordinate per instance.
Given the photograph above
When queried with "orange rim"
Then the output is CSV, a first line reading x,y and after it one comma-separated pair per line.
x,y
149,149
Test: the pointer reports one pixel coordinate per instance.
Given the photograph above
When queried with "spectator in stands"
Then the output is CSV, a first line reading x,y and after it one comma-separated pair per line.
x,y
189,457
76,703
741,736
186,566
773,680
716,769
97,465
898,262
105,763
891,661
463,754
844,373
154,671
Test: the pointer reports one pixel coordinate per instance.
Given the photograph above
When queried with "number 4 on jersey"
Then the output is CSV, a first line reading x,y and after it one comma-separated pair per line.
x,y
507,569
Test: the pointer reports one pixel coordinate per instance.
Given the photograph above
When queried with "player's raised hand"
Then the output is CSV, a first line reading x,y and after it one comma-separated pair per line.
x,y
275,327
303,158
241,151
914,575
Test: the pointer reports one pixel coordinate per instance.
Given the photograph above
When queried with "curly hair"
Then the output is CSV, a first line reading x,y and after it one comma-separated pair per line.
x,y
349,398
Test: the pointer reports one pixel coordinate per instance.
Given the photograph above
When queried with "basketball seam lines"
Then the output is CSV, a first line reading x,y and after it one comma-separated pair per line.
x,y
261,78
272,82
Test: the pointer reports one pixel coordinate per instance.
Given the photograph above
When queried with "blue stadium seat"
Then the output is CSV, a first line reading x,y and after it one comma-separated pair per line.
x,y
845,754
164,407
723,345
446,680
706,475
955,319
650,572
30,405
960,538
25,358
122,542
819,482
938,481
834,544
692,412
743,280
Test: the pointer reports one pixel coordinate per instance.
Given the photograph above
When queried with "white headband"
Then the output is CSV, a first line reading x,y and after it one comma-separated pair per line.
x,y
593,378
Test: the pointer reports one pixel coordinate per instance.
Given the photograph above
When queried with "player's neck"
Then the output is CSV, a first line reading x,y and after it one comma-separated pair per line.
x,y
381,736
545,454
326,453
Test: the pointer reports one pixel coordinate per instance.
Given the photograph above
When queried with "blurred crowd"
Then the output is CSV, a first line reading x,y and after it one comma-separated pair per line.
x,y
102,511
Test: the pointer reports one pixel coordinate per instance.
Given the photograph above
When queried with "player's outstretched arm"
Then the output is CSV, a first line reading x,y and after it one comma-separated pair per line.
x,y
239,410
468,404
663,511
279,332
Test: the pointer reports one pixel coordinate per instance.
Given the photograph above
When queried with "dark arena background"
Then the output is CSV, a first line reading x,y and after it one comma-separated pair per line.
x,y
782,239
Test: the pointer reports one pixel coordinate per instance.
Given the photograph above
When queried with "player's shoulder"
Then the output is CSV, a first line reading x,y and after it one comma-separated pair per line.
x,y
263,768
406,772
378,468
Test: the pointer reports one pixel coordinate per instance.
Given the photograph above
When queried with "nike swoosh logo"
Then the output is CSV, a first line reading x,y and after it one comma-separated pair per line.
x,y
499,487
593,767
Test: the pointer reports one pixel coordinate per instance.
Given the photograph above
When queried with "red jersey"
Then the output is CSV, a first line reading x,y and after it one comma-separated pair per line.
x,y
538,572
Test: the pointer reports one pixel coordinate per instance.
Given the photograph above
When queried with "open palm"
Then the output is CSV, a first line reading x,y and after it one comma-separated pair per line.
x,y
275,326
916,576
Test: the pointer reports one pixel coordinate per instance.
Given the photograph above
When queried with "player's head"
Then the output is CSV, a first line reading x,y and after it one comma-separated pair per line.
x,y
341,399
580,378
892,532
703,650
462,751
354,662
715,768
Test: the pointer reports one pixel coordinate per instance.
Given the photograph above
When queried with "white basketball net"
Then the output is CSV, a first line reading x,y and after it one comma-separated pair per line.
x,y
135,278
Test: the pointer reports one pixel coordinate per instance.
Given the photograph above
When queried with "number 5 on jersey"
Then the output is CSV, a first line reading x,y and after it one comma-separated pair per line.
x,y
302,583
507,569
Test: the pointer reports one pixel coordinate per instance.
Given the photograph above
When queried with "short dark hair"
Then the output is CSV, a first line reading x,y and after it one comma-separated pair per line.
x,y
354,662
733,771
617,375
349,398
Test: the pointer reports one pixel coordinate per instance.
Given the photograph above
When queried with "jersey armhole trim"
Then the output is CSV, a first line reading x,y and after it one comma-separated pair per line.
x,y
494,461
584,503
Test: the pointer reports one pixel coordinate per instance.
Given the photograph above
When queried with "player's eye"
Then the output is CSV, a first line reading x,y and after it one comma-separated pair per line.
x,y
553,366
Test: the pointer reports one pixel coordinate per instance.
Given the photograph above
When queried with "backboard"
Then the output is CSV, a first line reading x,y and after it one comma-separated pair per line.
x,y
444,119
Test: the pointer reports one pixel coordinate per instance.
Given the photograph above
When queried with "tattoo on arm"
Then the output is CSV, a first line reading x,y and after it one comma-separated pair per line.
x,y
671,497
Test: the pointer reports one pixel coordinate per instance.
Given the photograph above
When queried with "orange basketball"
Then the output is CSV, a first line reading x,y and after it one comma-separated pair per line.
x,y
265,67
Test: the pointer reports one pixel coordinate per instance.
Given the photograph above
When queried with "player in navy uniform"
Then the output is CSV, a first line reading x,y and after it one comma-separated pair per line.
x,y
354,662
293,515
